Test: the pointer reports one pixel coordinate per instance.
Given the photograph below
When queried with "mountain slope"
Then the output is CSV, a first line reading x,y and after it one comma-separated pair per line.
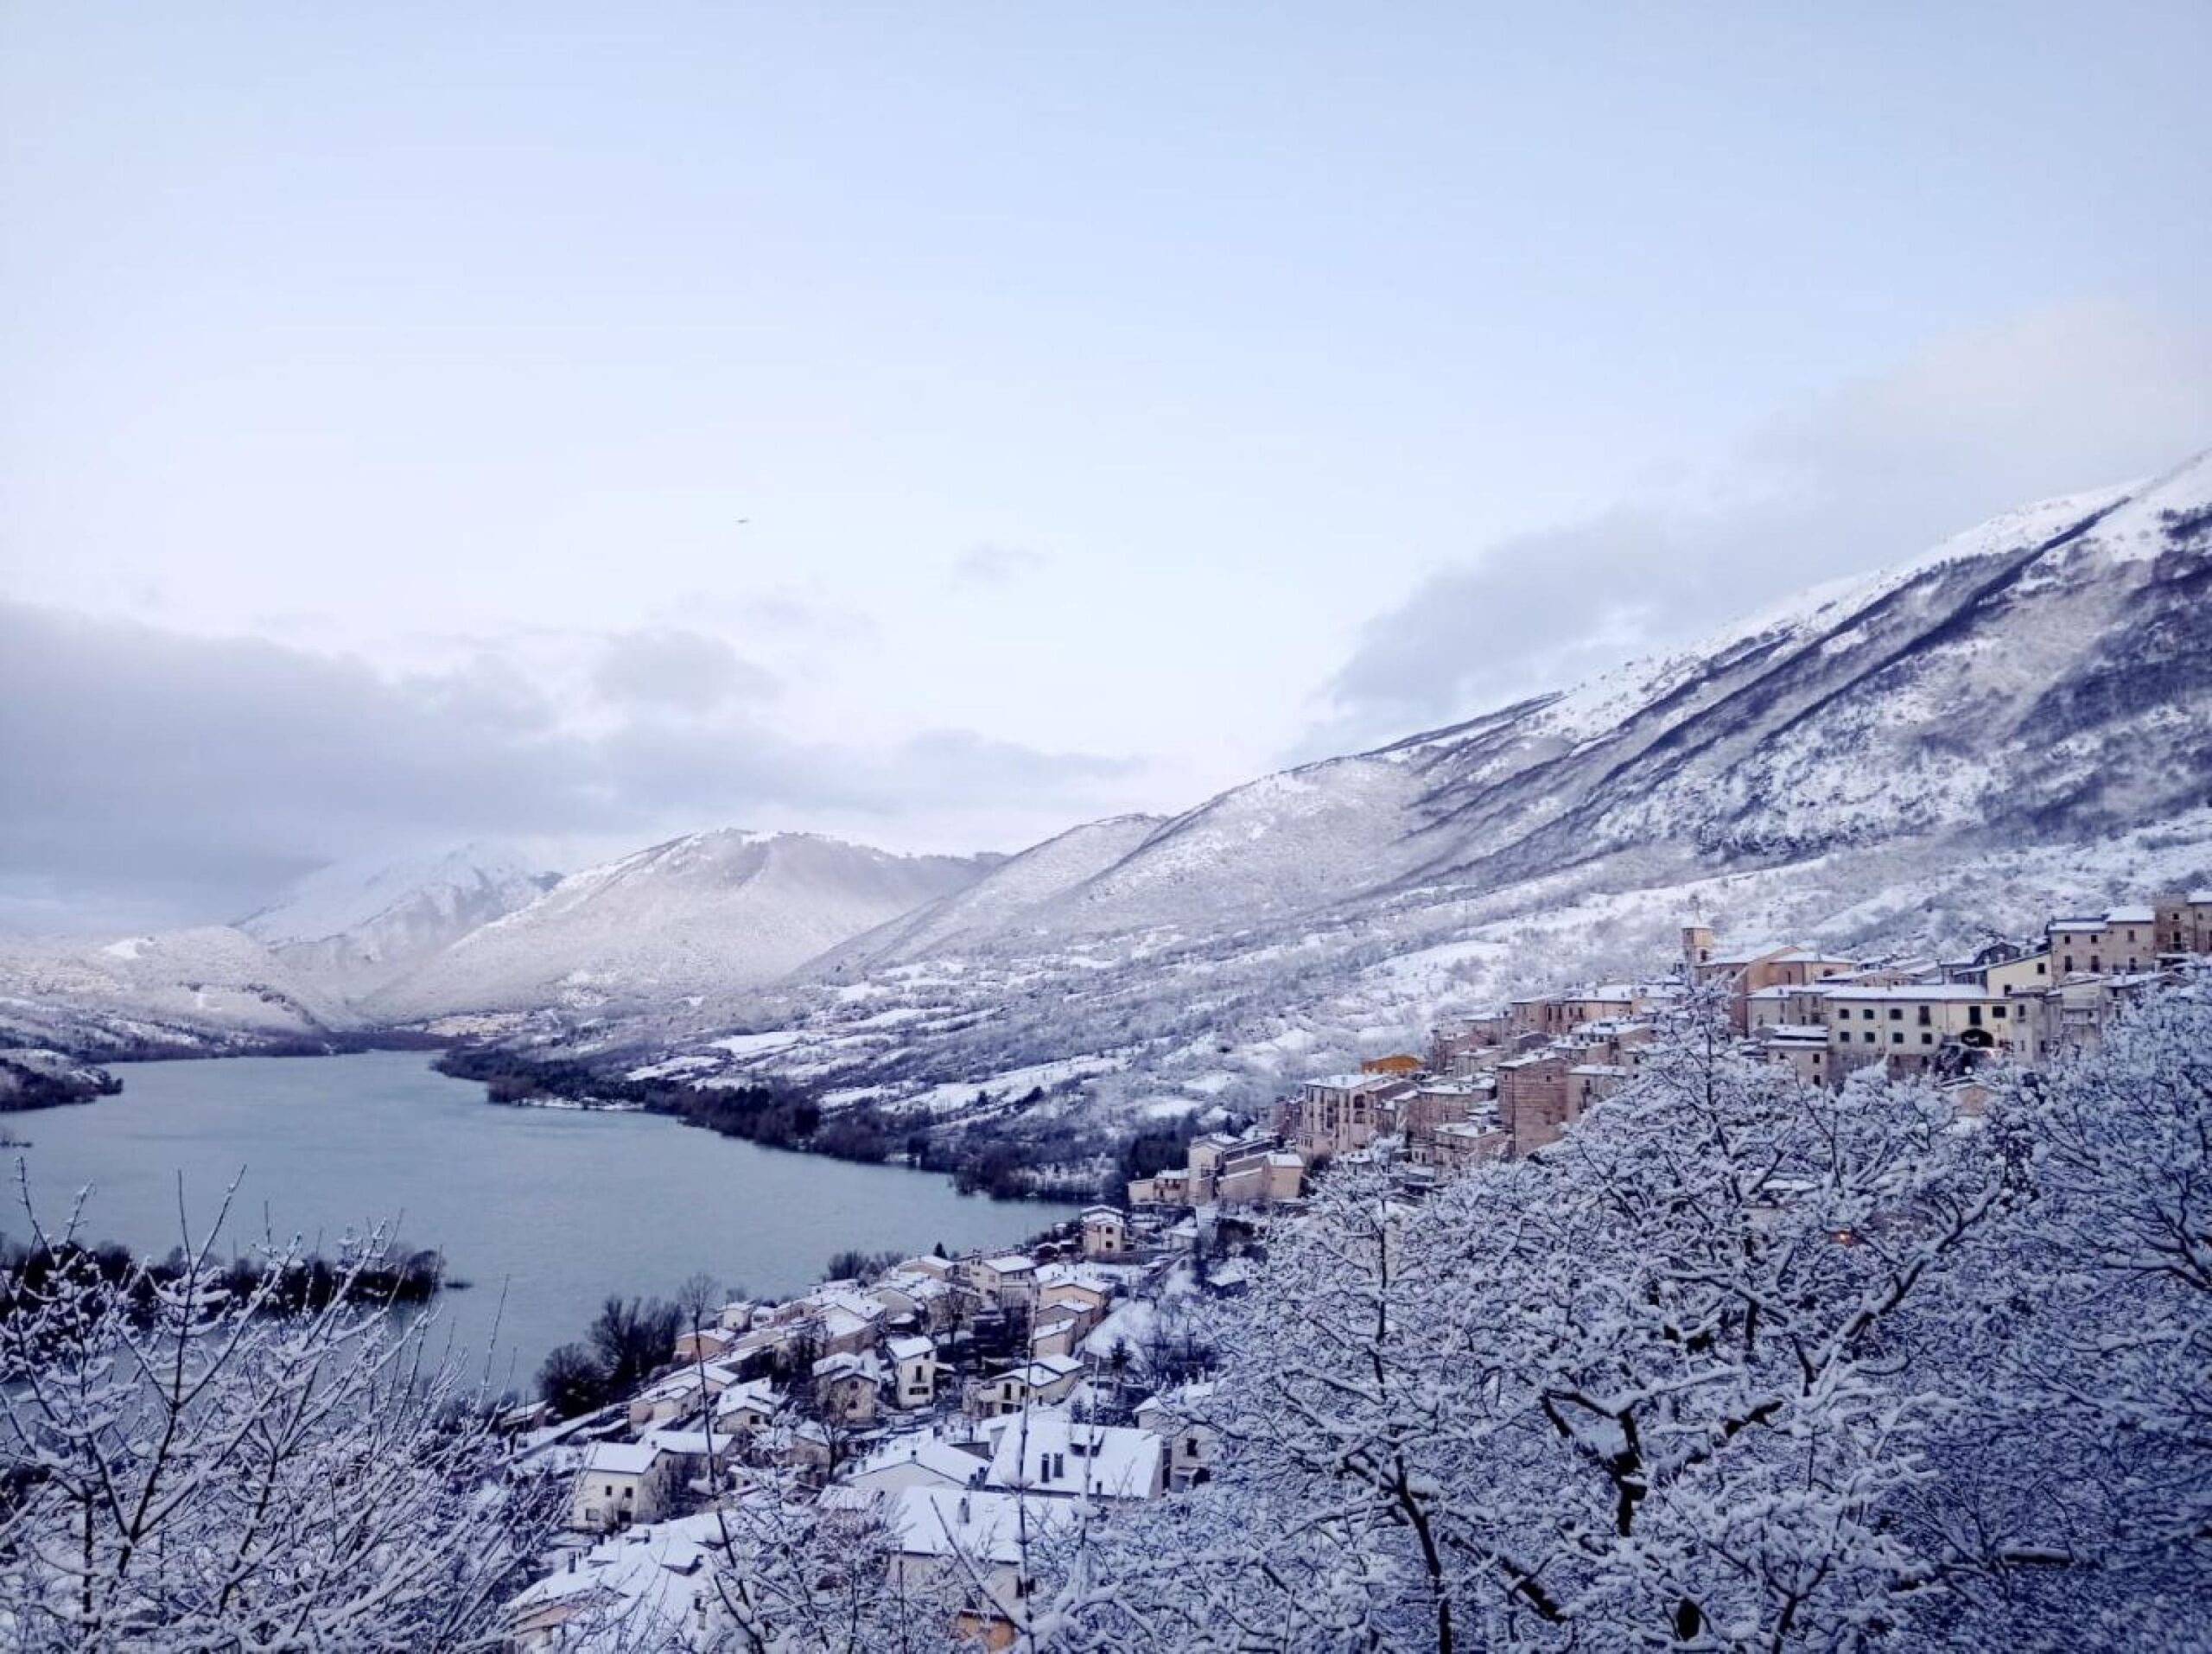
x,y
1021,887
696,916
2007,684
2016,721
212,989
356,927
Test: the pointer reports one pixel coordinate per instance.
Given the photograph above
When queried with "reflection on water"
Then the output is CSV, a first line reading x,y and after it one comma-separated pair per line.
x,y
553,1209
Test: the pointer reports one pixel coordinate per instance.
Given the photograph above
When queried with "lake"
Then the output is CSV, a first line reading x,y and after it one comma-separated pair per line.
x,y
561,1206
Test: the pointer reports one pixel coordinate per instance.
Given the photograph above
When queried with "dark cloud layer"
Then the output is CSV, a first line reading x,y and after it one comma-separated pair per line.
x,y
668,666
186,776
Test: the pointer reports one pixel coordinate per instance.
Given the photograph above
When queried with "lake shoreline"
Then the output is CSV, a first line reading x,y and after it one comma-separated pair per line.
x,y
547,1212
766,1115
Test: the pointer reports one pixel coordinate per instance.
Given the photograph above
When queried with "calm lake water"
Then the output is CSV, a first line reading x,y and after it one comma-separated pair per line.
x,y
562,1207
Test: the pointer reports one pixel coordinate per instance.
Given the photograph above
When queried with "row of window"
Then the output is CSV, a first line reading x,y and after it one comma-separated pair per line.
x,y
1897,1014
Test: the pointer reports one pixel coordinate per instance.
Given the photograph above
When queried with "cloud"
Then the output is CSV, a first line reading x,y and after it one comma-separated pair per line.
x,y
673,668
2061,399
182,778
996,565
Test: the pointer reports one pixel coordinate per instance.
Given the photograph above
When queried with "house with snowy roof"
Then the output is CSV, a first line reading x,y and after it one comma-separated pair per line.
x,y
747,1408
647,1586
1106,1233
1191,1445
914,1368
1339,1113
1045,1379
922,1458
849,1387
993,1545
2123,939
621,1483
1007,1282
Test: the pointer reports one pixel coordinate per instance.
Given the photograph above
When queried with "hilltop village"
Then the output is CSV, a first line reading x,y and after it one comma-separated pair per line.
x,y
964,1410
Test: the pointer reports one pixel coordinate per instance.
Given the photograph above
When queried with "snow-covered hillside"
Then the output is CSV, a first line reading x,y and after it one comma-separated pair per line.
x,y
2018,721
701,915
356,927
1018,890
212,989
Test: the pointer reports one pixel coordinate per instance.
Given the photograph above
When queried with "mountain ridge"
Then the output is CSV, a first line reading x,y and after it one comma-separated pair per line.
x,y
2042,678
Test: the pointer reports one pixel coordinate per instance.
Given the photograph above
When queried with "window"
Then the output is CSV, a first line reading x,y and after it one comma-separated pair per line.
x,y
1897,1014
1928,1038
1999,1012
1869,1036
1897,1039
1923,1016
1974,1015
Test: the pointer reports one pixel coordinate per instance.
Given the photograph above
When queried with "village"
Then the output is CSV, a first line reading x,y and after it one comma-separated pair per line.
x,y
969,1408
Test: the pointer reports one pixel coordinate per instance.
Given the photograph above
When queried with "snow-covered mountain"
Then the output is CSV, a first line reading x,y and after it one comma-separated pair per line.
x,y
1020,889
210,989
357,928
697,916
2017,720
2043,675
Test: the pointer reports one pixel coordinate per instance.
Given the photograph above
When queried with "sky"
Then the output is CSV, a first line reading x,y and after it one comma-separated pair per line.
x,y
940,425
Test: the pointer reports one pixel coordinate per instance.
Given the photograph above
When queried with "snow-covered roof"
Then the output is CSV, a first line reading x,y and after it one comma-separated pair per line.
x,y
910,1349
1177,1401
1046,1370
2132,916
1012,1263
697,1444
1050,1453
649,1570
1358,1082
757,1397
984,1526
620,1457
922,1450
1916,991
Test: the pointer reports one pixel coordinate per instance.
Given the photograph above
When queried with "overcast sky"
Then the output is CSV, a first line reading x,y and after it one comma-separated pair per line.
x,y
938,424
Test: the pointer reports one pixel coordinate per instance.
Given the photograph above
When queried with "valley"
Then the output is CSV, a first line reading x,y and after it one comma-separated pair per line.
x,y
2017,720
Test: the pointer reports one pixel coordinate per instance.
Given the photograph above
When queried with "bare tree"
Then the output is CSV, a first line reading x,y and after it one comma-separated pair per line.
x,y
189,1467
